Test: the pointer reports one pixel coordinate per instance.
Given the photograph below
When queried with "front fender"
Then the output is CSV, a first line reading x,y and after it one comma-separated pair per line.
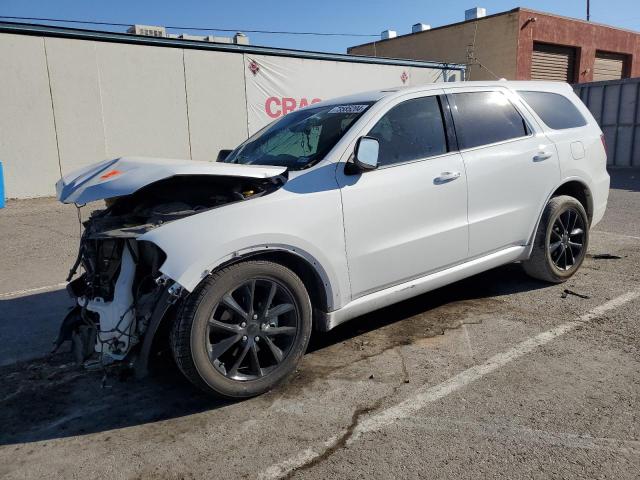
x,y
306,224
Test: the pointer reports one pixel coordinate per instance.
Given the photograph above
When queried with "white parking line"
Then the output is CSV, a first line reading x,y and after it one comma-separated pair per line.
x,y
524,434
614,234
425,395
20,293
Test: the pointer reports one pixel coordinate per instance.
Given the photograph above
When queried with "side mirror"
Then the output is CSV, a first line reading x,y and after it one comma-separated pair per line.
x,y
365,156
222,155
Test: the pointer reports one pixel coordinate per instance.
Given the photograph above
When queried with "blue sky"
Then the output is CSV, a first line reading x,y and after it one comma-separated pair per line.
x,y
363,17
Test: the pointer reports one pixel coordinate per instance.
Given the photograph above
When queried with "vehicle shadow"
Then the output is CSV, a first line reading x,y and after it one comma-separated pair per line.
x,y
52,398
505,280
625,179
29,324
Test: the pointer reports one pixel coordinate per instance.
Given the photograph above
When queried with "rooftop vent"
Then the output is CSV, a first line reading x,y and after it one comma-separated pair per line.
x,y
147,30
476,12
387,34
241,39
420,27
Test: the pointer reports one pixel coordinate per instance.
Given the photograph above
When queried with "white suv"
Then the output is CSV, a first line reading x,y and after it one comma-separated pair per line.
x,y
330,212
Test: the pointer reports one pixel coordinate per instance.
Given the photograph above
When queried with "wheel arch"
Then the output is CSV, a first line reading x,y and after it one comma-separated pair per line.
x,y
310,272
574,187
308,269
580,191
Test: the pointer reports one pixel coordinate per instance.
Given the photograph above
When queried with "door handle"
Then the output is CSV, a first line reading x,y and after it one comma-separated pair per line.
x,y
446,177
541,156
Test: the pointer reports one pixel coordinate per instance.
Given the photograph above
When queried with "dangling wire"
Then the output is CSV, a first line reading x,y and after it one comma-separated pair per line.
x,y
79,210
75,266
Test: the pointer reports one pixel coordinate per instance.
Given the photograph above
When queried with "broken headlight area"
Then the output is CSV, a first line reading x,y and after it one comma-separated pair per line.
x,y
116,296
121,294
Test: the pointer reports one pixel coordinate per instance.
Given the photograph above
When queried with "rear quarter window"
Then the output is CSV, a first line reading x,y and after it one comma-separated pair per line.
x,y
482,118
555,110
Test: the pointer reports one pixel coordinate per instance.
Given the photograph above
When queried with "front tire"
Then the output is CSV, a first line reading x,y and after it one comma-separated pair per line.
x,y
243,330
561,241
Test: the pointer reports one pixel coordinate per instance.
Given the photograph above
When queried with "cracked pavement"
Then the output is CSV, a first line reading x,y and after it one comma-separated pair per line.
x,y
568,408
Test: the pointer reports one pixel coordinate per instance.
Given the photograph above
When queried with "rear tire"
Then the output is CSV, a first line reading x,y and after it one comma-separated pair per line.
x,y
561,241
243,330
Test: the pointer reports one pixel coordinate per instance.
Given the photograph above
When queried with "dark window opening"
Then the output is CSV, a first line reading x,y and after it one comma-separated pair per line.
x,y
412,130
482,118
555,110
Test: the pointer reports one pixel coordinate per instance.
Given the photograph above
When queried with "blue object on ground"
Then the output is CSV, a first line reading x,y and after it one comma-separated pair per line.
x,y
1,187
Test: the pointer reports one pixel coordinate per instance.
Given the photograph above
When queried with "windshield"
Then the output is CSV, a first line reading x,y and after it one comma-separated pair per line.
x,y
300,139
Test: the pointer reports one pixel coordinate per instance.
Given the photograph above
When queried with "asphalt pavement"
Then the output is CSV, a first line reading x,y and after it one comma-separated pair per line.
x,y
496,376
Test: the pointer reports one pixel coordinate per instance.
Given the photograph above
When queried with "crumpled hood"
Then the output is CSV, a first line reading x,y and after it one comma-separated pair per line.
x,y
126,175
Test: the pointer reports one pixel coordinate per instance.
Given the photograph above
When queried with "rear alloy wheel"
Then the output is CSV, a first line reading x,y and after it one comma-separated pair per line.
x,y
561,241
244,330
567,238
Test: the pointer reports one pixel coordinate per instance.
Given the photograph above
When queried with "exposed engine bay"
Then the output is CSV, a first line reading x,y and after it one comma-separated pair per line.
x,y
120,291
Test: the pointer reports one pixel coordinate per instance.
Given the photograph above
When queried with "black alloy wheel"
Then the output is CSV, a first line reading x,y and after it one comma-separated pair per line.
x,y
252,329
243,330
566,242
561,241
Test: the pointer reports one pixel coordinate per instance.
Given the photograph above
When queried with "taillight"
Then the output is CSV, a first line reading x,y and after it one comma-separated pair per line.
x,y
604,143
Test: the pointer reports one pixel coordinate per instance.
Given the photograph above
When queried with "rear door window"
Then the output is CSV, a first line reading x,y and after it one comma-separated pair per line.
x,y
482,118
555,110
412,130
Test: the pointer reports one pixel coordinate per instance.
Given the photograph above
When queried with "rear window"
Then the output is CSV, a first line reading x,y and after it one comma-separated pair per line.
x,y
482,118
555,110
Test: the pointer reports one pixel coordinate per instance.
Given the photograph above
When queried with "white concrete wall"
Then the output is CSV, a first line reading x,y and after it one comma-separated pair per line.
x,y
144,103
216,100
28,148
68,103
77,103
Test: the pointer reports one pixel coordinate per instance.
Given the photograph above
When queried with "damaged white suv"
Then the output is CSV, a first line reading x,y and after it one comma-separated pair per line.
x,y
335,210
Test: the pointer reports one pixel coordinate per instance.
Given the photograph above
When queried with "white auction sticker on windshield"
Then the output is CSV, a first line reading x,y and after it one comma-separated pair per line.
x,y
348,109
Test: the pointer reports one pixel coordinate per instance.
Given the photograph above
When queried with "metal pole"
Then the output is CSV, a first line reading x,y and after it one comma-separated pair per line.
x,y
588,10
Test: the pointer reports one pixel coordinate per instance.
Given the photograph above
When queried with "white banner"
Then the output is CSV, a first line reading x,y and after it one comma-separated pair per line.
x,y
276,86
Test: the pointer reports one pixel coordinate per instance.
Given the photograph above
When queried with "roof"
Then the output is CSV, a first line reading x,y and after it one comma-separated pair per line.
x,y
115,37
572,19
375,95
441,27
508,12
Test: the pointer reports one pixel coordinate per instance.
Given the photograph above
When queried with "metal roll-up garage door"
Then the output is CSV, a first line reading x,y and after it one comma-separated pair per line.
x,y
608,66
553,62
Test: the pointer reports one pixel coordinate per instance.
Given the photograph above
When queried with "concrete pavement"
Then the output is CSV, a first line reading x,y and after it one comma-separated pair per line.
x,y
495,376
